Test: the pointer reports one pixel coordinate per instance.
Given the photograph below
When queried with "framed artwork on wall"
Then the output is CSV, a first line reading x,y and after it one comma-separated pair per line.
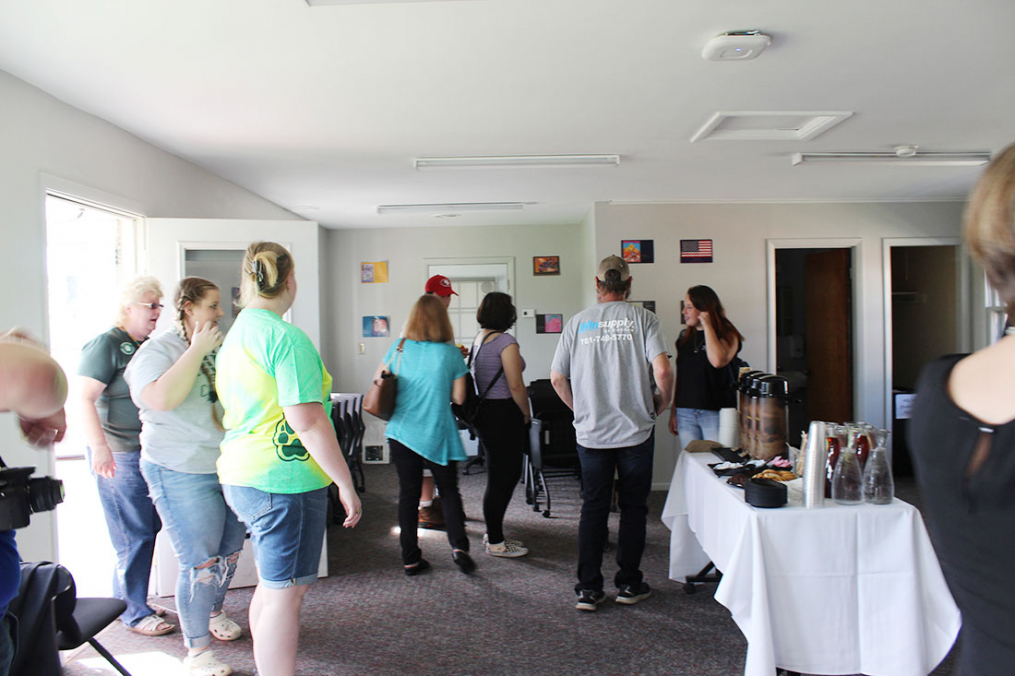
x,y
545,265
638,250
376,326
549,323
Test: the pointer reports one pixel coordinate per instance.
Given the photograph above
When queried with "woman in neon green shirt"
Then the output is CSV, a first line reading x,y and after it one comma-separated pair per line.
x,y
280,452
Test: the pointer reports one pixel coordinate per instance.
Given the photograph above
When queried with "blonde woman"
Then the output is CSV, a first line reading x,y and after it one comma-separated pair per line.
x,y
280,452
172,381
112,428
963,444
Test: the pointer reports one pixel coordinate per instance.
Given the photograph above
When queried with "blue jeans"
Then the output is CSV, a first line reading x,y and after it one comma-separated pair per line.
x,y
205,533
133,524
287,530
633,465
697,423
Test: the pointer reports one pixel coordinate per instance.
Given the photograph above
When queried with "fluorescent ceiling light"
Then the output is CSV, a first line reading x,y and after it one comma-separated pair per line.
x,y
448,207
897,158
516,161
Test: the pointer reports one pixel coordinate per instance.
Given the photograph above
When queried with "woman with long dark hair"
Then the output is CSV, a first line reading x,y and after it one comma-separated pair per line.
x,y
497,366
704,350
422,432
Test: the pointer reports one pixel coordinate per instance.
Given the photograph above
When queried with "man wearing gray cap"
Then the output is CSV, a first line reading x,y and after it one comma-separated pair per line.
x,y
614,354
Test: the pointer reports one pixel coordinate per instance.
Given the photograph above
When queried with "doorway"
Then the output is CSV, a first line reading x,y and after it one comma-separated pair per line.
x,y
814,331
91,251
471,280
925,318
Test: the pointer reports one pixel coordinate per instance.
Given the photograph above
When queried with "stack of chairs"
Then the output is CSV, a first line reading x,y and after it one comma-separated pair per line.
x,y
347,417
552,445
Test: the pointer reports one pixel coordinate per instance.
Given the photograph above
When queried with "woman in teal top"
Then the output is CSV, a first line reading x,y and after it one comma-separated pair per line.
x,y
280,451
422,432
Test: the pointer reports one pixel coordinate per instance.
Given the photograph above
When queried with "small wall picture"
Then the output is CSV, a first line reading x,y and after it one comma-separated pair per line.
x,y
638,250
375,326
546,265
373,273
649,305
549,323
695,251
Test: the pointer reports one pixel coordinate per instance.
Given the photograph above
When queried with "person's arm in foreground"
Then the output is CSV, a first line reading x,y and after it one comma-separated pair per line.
x,y
173,386
34,387
312,426
511,358
665,379
562,386
720,351
89,391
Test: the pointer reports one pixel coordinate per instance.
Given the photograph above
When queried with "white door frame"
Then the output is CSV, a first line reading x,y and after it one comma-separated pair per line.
x,y
962,315
507,261
854,243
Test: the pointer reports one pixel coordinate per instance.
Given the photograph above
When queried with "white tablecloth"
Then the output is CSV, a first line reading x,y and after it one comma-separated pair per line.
x,y
835,590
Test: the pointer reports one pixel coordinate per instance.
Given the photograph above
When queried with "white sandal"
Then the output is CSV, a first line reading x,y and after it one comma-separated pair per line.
x,y
152,625
224,629
206,664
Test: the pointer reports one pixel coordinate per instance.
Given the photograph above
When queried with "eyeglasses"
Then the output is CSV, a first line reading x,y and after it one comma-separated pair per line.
x,y
151,306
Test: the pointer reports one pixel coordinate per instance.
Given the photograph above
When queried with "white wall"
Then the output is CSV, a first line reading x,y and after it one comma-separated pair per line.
x,y
346,300
47,143
738,274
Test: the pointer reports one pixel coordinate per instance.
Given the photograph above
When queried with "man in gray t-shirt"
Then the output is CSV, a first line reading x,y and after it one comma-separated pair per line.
x,y
614,354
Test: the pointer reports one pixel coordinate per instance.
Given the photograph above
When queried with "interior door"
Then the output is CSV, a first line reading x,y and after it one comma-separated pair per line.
x,y
829,336
177,246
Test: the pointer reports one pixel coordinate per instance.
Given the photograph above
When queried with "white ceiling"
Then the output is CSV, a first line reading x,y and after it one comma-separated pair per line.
x,y
327,107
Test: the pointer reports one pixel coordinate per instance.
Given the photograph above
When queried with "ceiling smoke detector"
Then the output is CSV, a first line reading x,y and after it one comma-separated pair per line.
x,y
736,46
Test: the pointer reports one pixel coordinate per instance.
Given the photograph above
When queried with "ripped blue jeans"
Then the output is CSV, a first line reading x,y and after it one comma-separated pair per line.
x,y
207,538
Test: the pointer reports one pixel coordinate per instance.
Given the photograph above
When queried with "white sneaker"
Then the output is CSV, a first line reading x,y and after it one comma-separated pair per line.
x,y
206,664
509,549
507,541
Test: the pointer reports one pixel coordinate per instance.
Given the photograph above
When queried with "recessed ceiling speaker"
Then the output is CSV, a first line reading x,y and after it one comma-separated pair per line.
x,y
735,46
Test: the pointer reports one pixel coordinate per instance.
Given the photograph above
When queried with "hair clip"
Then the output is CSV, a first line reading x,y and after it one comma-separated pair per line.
x,y
257,268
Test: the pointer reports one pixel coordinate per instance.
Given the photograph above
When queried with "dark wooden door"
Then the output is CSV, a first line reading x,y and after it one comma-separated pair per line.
x,y
829,336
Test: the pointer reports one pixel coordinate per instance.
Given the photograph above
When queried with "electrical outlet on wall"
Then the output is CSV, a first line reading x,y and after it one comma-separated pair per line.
x,y
528,313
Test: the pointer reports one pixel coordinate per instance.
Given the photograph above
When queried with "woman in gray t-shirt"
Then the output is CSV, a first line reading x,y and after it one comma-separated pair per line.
x,y
172,381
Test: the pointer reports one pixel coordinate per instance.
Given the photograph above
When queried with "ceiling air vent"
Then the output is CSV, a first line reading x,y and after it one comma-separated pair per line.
x,y
768,125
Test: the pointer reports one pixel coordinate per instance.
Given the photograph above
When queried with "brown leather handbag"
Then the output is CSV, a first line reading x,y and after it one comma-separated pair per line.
x,y
380,398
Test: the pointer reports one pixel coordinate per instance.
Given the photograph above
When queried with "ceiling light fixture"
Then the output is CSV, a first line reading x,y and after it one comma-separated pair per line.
x,y
448,207
901,156
736,46
516,161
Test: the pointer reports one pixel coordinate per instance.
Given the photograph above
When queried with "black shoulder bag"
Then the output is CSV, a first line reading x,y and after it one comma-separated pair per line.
x,y
468,411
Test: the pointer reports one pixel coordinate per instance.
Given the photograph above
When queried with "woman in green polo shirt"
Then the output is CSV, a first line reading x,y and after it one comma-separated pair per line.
x,y
280,452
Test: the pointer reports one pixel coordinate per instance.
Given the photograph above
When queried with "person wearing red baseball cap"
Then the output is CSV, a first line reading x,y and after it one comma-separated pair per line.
x,y
440,286
431,514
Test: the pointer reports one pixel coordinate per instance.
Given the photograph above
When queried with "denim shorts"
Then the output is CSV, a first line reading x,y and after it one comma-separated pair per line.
x,y
287,531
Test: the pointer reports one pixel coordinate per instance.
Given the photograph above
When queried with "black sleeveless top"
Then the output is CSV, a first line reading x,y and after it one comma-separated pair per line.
x,y
971,520
699,384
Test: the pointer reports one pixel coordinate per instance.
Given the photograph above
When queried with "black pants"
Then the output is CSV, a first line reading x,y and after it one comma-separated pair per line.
x,y
409,465
501,428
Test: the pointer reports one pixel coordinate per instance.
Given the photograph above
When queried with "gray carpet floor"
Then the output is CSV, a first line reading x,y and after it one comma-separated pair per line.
x,y
513,616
